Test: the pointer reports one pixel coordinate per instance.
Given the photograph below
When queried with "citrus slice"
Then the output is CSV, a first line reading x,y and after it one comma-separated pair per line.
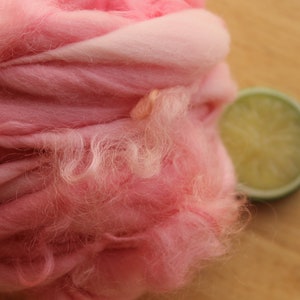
x,y
261,131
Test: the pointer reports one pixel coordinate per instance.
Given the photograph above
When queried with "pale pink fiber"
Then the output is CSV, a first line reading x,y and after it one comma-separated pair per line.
x,y
113,179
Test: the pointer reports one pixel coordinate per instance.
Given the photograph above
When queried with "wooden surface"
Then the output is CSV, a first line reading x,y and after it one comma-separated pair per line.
x,y
265,262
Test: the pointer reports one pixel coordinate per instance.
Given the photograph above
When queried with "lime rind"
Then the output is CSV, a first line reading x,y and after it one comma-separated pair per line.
x,y
275,194
271,92
258,194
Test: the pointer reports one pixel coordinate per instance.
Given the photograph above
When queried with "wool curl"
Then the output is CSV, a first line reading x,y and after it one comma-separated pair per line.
x,y
114,181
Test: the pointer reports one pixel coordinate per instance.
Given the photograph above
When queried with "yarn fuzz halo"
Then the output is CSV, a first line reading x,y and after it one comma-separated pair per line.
x,y
113,179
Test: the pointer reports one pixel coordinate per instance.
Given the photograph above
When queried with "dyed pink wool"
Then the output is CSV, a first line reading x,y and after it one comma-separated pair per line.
x,y
113,179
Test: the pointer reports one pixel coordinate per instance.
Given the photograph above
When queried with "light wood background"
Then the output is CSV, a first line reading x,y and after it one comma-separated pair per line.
x,y
265,261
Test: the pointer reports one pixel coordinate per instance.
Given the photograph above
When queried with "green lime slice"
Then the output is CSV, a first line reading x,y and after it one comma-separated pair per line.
x,y
261,131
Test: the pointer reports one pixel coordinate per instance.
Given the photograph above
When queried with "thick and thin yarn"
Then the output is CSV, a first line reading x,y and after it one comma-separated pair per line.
x,y
113,179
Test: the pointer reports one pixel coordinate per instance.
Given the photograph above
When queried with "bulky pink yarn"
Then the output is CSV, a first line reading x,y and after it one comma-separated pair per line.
x,y
113,179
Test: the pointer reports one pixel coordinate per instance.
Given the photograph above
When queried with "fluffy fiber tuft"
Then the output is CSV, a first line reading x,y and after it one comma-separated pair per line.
x,y
113,179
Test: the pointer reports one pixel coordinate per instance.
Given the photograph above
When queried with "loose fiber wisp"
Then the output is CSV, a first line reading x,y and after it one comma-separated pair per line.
x,y
113,179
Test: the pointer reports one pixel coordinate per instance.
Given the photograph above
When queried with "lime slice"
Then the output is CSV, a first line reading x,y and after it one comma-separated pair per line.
x,y
261,131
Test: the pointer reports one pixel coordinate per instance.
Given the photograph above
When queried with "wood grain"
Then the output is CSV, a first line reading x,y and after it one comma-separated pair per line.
x,y
265,262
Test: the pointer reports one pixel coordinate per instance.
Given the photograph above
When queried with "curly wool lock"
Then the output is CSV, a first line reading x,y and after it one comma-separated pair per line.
x,y
113,179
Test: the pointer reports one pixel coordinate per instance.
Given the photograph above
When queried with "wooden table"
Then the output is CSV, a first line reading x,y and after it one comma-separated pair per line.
x,y
265,261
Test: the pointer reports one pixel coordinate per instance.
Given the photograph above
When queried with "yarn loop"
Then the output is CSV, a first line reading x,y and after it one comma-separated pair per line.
x,y
113,179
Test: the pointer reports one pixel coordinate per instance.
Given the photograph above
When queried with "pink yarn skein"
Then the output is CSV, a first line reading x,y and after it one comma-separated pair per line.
x,y
113,179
